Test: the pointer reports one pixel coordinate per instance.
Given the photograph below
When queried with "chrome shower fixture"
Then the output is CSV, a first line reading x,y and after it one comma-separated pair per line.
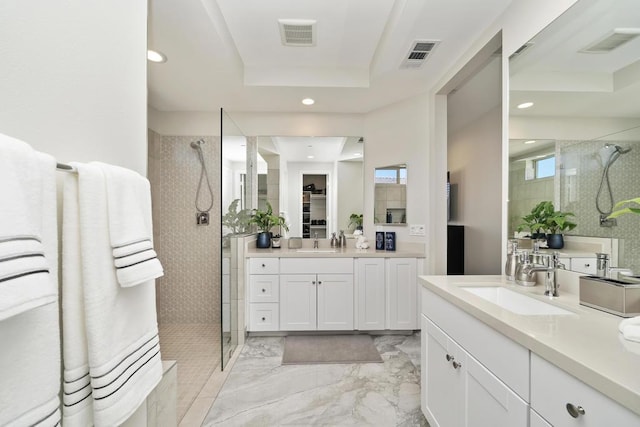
x,y
608,155
196,144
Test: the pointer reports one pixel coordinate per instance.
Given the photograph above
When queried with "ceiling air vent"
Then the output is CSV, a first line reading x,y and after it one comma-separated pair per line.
x,y
612,40
297,32
418,53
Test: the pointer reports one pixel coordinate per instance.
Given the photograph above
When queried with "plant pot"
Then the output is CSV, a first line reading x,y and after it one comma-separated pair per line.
x,y
264,240
555,241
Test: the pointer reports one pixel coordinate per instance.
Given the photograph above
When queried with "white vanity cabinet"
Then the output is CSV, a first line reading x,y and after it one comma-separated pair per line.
x,y
459,391
316,294
371,294
563,400
471,375
264,292
402,295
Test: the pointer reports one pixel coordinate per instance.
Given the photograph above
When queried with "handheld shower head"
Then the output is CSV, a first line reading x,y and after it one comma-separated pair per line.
x,y
196,144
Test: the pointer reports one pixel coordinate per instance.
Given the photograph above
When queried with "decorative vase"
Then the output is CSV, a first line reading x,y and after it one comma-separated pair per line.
x,y
264,240
555,241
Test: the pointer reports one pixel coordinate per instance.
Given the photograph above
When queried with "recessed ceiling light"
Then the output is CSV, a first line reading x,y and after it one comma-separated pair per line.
x,y
309,157
525,105
531,141
155,56
308,101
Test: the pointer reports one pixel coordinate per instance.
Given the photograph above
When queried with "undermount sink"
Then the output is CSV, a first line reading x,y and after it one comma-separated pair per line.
x,y
316,251
515,302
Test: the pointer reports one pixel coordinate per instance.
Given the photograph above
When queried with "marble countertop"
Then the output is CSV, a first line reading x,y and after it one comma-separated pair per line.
x,y
586,344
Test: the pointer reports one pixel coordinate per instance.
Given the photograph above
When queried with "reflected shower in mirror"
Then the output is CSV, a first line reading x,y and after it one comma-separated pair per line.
x,y
390,204
581,107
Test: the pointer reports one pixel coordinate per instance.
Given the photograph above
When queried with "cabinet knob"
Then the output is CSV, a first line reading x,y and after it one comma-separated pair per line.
x,y
575,411
263,319
263,265
449,357
456,365
264,290
313,282
319,282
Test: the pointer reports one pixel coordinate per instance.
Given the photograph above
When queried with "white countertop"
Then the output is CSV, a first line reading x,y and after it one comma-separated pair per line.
x,y
586,345
349,252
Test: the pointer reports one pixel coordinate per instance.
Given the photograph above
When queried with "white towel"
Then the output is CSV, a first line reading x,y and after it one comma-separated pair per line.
x,y
121,325
25,271
29,329
630,328
130,226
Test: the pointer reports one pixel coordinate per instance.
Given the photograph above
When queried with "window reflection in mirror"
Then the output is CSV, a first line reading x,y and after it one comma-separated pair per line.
x,y
576,116
390,205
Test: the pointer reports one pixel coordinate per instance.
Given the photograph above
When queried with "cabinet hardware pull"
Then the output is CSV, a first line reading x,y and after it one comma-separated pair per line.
x,y
263,319
263,290
263,265
319,283
587,265
313,282
575,411
456,365
449,358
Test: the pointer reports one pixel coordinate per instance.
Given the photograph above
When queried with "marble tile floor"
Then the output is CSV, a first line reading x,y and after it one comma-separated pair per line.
x,y
259,391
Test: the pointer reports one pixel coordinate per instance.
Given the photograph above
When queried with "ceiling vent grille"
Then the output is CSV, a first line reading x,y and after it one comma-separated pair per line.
x,y
612,40
297,32
418,53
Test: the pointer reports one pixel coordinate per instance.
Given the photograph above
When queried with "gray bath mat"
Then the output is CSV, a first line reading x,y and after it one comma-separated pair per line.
x,y
304,349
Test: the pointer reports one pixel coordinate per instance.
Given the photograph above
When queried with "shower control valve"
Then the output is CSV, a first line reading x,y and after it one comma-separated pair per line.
x,y
202,218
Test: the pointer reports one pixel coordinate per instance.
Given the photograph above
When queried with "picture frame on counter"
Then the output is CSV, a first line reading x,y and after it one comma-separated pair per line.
x,y
390,240
379,240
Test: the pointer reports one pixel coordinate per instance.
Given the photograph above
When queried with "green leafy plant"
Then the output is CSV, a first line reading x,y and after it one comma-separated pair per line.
x,y
355,219
536,221
266,220
621,209
236,220
558,222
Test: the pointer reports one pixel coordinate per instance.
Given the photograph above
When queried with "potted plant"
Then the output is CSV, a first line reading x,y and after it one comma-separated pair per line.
x,y
355,219
265,221
234,220
621,209
536,221
557,222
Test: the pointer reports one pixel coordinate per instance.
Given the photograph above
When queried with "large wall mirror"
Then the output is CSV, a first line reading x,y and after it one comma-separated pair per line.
x,y
316,183
390,203
578,144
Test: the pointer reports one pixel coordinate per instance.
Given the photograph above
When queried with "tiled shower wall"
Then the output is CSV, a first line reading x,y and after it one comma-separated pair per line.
x,y
189,292
581,174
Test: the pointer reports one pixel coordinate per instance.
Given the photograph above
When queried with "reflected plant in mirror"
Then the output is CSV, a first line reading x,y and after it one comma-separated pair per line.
x,y
579,145
390,202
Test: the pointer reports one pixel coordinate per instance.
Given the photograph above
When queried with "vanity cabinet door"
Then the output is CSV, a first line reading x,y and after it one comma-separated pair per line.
x,y
335,301
564,400
371,294
298,302
402,296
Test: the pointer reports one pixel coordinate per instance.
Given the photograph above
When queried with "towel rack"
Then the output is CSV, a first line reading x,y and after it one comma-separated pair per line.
x,y
65,168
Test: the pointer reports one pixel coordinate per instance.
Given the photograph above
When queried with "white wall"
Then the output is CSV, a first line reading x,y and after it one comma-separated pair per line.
x,y
398,133
571,128
475,165
73,78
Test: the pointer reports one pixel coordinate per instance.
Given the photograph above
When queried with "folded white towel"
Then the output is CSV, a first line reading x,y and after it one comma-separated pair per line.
x,y
25,279
130,225
29,329
630,328
121,324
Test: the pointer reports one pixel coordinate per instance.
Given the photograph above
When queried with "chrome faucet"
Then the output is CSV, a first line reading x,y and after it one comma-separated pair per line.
x,y
526,270
315,240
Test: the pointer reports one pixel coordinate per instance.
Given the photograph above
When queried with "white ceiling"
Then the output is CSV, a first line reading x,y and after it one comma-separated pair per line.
x,y
227,53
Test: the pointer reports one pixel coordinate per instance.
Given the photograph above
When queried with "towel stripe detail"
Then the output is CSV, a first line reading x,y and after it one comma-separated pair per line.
x,y
133,253
130,243
24,255
77,379
126,357
25,273
68,405
130,365
17,238
157,353
49,415
136,263
76,393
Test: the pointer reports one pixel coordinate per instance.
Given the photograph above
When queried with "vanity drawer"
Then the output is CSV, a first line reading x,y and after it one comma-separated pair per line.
x,y
329,265
264,265
552,390
264,317
583,265
264,288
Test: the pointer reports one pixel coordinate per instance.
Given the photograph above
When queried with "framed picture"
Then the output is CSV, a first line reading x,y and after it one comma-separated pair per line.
x,y
390,240
379,240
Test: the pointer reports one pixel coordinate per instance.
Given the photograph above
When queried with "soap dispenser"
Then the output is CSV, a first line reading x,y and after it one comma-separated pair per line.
x,y
342,240
334,240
